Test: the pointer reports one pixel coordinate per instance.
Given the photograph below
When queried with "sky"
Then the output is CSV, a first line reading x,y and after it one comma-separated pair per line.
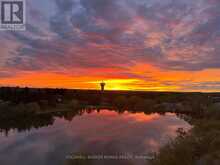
x,y
152,45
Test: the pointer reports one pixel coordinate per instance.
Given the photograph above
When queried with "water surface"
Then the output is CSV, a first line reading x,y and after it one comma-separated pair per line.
x,y
51,140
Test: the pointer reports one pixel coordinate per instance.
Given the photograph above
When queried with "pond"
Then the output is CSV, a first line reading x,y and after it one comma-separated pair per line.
x,y
100,136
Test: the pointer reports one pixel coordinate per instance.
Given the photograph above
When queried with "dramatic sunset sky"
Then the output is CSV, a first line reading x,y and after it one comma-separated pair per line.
x,y
157,45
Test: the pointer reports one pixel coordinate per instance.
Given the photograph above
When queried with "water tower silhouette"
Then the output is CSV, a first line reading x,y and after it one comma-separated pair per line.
x,y
102,84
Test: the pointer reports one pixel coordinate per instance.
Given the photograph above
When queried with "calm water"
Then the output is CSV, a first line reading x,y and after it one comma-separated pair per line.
x,y
52,140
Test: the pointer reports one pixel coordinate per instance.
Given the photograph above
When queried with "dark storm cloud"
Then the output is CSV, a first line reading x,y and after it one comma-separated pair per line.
x,y
64,5
111,12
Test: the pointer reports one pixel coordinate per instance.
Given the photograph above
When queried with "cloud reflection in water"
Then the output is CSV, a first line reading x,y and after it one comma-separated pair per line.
x,y
104,132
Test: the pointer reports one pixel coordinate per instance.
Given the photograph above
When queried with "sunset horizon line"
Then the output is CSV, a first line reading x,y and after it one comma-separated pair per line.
x,y
108,90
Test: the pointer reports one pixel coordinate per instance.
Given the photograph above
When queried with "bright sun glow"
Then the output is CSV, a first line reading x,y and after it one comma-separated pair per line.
x,y
117,84
132,84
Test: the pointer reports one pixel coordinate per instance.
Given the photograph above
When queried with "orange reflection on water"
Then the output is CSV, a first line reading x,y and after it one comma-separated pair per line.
x,y
141,117
137,117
